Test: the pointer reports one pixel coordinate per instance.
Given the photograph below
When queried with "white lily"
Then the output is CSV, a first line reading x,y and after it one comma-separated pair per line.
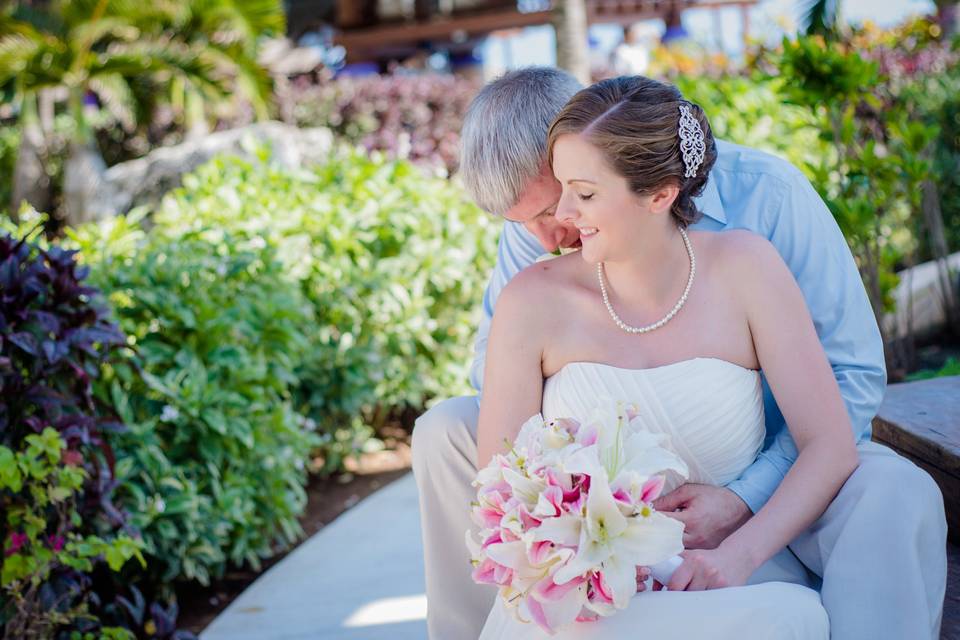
x,y
618,544
563,530
526,489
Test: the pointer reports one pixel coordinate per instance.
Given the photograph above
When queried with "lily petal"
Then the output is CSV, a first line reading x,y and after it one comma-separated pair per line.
x,y
650,540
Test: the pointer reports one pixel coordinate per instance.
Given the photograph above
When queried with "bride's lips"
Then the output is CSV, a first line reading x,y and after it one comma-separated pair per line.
x,y
587,232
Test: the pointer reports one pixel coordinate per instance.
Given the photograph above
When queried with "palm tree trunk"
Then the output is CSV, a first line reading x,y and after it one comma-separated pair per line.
x,y
570,23
194,117
84,168
31,183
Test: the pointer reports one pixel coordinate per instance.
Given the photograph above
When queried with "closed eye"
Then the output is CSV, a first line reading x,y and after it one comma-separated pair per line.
x,y
584,196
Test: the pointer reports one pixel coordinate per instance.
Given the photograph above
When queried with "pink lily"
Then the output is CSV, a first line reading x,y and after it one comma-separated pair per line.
x,y
652,488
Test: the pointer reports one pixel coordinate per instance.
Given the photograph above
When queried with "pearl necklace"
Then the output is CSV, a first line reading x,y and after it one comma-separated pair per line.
x,y
676,308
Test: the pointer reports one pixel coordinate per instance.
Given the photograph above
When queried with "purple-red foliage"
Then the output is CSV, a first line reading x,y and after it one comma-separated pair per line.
x,y
55,335
54,338
410,116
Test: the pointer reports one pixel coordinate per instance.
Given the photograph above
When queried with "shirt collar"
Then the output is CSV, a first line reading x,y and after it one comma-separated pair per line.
x,y
709,202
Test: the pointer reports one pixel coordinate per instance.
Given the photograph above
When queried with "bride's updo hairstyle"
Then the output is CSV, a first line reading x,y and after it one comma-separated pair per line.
x,y
635,123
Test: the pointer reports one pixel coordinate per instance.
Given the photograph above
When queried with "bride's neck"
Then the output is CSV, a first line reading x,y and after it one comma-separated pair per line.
x,y
649,276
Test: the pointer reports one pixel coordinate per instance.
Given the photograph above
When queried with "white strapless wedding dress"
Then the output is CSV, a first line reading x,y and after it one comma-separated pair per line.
x,y
712,412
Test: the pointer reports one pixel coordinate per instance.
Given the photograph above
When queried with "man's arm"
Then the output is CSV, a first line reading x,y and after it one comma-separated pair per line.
x,y
516,250
810,242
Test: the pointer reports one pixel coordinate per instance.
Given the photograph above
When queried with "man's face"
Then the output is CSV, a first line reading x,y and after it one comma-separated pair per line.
x,y
536,211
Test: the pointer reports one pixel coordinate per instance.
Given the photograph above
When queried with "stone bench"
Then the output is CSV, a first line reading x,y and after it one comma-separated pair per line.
x,y
921,420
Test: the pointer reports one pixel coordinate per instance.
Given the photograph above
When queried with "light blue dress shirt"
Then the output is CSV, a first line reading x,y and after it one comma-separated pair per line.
x,y
749,189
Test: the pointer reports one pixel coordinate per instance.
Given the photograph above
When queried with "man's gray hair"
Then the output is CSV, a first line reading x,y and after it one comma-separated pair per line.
x,y
503,144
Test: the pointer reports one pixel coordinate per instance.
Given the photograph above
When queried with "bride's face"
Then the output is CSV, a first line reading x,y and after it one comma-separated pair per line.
x,y
598,201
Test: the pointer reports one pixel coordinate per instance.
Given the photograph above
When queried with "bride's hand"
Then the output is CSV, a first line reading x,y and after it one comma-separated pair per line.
x,y
710,569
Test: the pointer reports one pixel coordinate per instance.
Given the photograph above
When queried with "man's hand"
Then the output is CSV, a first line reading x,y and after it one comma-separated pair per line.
x,y
709,513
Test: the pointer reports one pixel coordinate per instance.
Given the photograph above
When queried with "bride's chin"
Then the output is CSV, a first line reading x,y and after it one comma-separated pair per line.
x,y
586,255
590,254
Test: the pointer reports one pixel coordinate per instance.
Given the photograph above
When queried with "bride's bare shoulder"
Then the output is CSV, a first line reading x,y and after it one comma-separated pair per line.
x,y
537,289
746,264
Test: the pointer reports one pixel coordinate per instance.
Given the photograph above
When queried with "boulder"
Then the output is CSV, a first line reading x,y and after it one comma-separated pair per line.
x,y
145,180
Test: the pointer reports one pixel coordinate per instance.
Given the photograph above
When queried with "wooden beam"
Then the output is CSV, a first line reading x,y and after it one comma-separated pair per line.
x,y
439,28
626,13
361,43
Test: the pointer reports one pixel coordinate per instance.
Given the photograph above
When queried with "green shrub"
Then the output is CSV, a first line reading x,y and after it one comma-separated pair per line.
x,y
263,304
393,262
213,465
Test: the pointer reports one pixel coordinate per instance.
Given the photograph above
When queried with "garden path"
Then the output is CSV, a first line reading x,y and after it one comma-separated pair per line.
x,y
359,578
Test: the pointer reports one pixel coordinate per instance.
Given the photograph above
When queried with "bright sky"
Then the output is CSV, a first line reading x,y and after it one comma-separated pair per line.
x,y
535,46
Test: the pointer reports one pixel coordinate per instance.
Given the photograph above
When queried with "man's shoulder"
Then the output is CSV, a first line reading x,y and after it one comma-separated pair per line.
x,y
746,162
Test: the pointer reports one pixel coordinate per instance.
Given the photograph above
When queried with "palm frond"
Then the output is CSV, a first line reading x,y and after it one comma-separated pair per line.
x,y
252,80
114,92
32,60
163,59
89,34
76,12
257,85
238,22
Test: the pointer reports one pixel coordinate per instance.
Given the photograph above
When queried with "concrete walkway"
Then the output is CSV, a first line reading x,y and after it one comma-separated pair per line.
x,y
359,578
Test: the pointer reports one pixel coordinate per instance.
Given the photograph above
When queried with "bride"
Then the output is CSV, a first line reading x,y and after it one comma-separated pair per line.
x,y
678,322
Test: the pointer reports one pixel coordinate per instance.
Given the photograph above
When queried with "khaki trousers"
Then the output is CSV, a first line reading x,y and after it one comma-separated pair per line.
x,y
880,547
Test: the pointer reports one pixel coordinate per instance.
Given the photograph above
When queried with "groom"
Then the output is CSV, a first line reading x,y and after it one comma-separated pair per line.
x,y
879,549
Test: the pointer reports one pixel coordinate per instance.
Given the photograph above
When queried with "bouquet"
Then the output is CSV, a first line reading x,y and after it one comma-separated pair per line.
x,y
566,516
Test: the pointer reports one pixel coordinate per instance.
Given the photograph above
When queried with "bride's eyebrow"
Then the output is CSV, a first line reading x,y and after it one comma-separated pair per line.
x,y
572,180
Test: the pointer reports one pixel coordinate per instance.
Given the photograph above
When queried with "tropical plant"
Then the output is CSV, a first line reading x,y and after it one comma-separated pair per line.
x,y
878,156
56,465
750,110
45,558
821,17
229,32
122,53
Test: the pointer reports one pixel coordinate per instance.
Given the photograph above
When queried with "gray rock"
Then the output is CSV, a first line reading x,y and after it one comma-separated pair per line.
x,y
145,180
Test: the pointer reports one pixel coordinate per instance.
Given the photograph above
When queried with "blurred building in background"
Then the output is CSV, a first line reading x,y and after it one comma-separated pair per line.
x,y
372,36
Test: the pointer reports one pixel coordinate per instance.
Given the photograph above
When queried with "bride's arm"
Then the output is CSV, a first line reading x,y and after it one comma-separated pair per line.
x,y
803,384
513,378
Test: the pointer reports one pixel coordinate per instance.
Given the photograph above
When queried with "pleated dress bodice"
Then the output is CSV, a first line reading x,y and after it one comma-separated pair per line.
x,y
710,409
